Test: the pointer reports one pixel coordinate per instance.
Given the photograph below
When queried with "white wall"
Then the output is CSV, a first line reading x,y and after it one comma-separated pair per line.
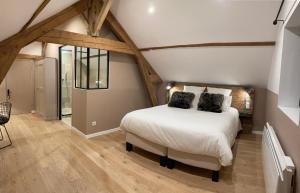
x,y
275,70
185,22
35,48
289,90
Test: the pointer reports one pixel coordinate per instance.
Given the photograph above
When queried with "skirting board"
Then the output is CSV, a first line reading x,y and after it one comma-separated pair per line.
x,y
102,133
93,134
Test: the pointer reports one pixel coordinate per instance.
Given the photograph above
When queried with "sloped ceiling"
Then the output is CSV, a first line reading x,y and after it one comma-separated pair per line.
x,y
196,21
160,23
52,8
168,22
15,13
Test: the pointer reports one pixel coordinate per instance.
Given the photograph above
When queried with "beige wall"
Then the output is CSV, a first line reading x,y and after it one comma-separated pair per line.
x,y
259,116
79,108
20,81
108,106
287,131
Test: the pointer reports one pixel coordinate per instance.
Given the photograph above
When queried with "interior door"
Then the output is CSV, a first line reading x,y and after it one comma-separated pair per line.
x,y
39,87
19,82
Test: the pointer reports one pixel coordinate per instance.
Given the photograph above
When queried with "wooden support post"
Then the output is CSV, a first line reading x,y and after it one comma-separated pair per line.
x,y
44,48
10,47
97,12
145,68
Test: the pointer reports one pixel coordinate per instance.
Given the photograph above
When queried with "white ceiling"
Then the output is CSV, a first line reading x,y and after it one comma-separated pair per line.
x,y
168,22
172,21
52,8
220,65
15,13
196,21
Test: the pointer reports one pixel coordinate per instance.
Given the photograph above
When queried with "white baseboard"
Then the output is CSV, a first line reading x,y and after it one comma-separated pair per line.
x,y
95,134
257,132
102,133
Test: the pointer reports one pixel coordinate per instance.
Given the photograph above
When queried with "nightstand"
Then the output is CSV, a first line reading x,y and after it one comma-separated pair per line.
x,y
247,122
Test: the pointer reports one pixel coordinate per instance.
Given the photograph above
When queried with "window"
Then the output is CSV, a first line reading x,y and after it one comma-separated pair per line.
x,y
289,90
91,68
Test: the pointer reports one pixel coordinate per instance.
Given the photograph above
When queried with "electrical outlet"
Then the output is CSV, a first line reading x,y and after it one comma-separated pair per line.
x,y
94,123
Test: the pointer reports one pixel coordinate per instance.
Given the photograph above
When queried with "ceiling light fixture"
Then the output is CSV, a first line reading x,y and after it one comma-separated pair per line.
x,y
151,9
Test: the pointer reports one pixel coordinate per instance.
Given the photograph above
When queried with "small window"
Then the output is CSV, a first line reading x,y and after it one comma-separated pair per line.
x,y
91,68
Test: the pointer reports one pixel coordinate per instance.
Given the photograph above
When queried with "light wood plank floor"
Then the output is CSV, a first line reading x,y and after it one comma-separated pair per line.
x,y
47,157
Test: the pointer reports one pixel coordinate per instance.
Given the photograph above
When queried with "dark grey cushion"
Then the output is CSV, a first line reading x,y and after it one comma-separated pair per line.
x,y
211,102
181,100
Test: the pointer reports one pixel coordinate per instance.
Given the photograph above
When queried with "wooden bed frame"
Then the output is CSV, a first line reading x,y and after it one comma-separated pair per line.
x,y
168,156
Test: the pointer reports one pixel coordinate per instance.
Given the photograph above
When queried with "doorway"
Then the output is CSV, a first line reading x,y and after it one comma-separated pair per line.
x,y
65,83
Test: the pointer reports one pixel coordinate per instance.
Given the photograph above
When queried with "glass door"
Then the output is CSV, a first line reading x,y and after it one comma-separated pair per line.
x,y
66,63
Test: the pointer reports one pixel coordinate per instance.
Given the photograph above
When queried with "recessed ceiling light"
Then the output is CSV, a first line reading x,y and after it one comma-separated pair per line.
x,y
151,9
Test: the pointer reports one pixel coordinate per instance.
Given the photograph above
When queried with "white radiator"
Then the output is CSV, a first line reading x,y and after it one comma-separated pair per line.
x,y
278,168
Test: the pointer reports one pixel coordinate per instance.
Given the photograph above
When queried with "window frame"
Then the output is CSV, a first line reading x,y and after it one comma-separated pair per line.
x,y
88,69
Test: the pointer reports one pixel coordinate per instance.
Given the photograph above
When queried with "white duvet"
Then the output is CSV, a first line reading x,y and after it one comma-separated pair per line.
x,y
187,130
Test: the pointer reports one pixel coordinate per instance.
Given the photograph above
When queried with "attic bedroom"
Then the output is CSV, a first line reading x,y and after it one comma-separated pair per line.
x,y
121,96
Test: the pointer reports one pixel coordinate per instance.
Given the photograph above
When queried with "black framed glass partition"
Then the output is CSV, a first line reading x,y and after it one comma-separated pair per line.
x,y
91,68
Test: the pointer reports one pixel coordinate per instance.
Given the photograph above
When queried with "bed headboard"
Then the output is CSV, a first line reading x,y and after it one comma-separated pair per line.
x,y
239,95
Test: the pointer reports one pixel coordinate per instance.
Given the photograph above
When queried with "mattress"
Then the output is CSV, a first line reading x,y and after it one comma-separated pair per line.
x,y
187,130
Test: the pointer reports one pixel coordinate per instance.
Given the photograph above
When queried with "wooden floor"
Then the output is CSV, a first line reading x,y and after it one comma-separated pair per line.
x,y
48,157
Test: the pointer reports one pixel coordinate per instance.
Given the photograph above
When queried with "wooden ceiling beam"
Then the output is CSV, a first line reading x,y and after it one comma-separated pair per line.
x,y
29,57
35,14
213,44
150,77
102,15
75,39
97,12
10,47
44,48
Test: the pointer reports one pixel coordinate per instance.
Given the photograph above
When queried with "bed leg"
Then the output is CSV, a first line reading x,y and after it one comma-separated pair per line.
x,y
163,161
128,146
215,176
170,163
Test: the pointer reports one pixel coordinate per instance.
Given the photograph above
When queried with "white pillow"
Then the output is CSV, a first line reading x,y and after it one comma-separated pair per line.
x,y
226,103
197,90
223,91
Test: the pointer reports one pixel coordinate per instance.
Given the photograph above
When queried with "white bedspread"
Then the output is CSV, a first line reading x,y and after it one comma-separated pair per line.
x,y
187,130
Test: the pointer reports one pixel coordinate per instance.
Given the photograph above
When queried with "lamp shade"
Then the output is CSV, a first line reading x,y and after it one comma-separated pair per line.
x,y
170,85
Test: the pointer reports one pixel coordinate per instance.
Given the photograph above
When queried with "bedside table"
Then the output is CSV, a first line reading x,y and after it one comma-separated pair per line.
x,y
247,122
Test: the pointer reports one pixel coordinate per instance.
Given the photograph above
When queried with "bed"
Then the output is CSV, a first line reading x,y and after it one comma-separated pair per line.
x,y
198,138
